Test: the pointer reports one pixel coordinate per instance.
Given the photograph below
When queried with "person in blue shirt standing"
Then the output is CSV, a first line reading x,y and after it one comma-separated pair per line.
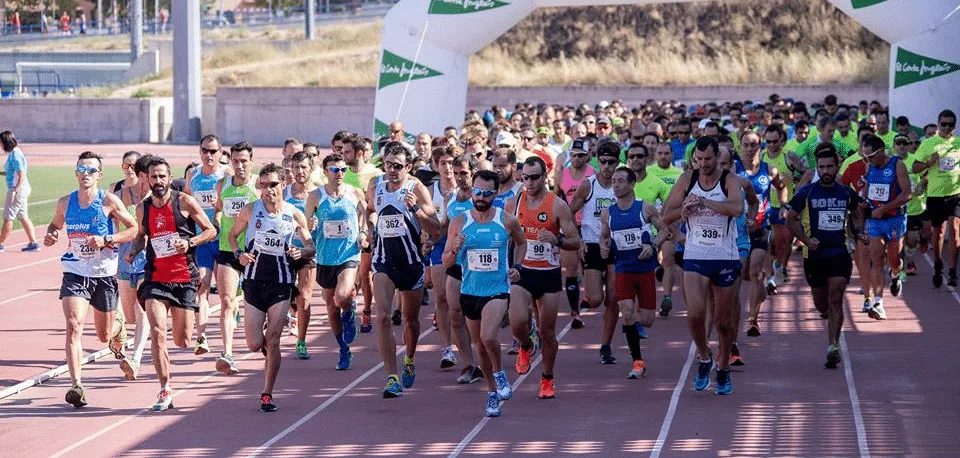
x,y
18,190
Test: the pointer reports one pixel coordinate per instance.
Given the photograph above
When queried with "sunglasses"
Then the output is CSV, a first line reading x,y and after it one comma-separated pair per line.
x,y
394,166
337,147
609,161
773,142
209,151
636,139
336,170
483,193
901,142
533,177
590,122
579,155
874,153
683,132
395,131
87,170
529,139
270,184
127,166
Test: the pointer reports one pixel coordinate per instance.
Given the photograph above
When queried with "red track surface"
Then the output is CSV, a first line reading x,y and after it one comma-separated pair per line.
x,y
785,403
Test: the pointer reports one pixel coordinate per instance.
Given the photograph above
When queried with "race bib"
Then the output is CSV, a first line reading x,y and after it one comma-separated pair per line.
x,y
628,239
483,260
705,235
879,192
391,226
80,249
948,163
207,199
336,229
538,251
164,246
269,243
831,220
233,205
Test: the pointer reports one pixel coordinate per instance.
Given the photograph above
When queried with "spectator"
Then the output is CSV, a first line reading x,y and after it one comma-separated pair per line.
x,y
18,191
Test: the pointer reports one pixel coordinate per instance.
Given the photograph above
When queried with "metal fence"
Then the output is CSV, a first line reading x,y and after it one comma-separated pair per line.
x,y
31,83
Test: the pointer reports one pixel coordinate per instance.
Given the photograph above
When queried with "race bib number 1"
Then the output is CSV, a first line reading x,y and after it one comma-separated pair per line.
x,y
164,246
391,226
879,192
831,220
483,260
335,229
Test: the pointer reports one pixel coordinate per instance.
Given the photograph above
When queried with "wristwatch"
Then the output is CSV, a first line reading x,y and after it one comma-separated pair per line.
x,y
190,243
108,239
415,208
237,254
560,240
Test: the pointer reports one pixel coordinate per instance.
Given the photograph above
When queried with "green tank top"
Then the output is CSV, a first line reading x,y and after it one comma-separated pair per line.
x,y
234,198
780,162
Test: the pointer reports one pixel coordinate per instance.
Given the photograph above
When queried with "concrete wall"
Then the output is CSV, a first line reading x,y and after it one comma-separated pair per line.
x,y
86,120
147,64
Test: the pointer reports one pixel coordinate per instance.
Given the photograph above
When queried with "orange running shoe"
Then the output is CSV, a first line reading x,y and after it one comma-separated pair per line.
x,y
639,370
546,388
523,360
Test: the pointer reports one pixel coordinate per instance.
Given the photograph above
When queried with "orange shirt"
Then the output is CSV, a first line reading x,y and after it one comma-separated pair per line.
x,y
540,255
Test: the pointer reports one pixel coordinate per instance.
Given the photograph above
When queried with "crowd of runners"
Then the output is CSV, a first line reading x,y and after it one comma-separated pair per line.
x,y
509,221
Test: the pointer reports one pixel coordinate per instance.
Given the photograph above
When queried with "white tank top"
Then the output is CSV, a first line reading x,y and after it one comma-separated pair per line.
x,y
710,235
599,199
439,202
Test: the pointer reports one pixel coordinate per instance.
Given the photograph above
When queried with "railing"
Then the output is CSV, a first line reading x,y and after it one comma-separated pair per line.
x,y
33,83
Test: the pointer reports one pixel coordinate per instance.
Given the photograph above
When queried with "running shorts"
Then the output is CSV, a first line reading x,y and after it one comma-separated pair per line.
x,y
404,277
818,271
327,276
892,228
101,292
206,254
473,305
642,286
183,295
592,259
265,294
722,273
539,282
228,259
915,222
941,208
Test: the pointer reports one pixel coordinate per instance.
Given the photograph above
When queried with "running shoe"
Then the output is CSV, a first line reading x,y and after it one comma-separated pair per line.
x,y
433,322
396,319
493,405
201,348
447,358
366,324
778,273
31,247
76,397
292,323
577,322
724,382
546,388
118,342
659,274
2,248
504,391
130,368
771,287
666,305
937,273
266,403
227,366
639,370
164,401
867,305
514,348
641,330
785,274
877,312
409,373
302,350
735,358
393,388
952,280
469,374
349,321
425,298
236,316
754,329
606,355
346,357
701,381
911,269
833,357
524,357
584,304
896,284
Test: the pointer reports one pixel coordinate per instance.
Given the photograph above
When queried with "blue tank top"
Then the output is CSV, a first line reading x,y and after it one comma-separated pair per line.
x,y
300,204
484,256
336,235
743,239
629,231
501,199
80,258
761,185
204,189
882,186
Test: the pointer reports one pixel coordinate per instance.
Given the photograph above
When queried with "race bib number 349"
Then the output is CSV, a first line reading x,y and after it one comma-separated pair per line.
x,y
831,220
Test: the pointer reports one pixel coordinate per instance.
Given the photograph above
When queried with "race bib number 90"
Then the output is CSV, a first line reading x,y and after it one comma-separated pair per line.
x,y
270,243
538,251
879,192
831,220
483,260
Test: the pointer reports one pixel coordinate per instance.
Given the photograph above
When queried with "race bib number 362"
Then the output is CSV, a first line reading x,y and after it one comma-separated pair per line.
x,y
391,226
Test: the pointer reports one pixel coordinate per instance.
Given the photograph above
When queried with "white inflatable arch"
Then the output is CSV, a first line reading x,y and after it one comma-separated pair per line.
x,y
426,47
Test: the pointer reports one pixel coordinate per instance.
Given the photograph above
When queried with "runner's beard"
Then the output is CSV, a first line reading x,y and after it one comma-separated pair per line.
x,y
159,190
481,205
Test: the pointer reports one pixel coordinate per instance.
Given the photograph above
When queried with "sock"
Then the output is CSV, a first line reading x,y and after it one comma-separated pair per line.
x,y
573,294
633,340
343,345
408,359
547,376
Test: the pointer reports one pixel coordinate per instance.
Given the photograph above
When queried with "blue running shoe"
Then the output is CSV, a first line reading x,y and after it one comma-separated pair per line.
x,y
2,248
31,247
504,391
701,381
346,357
349,322
409,373
641,330
393,389
493,405
724,382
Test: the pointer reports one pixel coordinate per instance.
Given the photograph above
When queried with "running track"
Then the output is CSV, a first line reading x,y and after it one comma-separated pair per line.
x,y
893,395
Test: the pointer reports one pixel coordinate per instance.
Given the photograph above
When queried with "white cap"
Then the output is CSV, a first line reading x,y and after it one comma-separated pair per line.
x,y
506,138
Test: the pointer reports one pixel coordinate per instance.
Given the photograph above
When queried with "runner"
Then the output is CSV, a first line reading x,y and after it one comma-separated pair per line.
x,y
568,177
479,240
203,187
653,191
594,194
234,193
268,256
780,241
825,208
402,209
131,190
89,215
669,174
355,151
168,228
711,259
306,267
15,206
505,165
887,192
543,216
634,250
918,220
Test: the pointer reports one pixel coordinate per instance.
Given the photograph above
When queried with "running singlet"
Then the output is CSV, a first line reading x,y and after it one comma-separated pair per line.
x,y
539,255
943,179
234,198
918,201
299,204
651,190
337,231
569,185
669,175
761,185
882,186
204,188
501,199
82,259
710,235
629,231
164,226
268,238
780,163
599,199
484,256
823,211
140,260
398,231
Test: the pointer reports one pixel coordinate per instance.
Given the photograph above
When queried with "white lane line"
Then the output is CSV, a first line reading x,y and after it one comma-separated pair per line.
x,y
339,394
674,400
29,264
23,296
479,427
862,444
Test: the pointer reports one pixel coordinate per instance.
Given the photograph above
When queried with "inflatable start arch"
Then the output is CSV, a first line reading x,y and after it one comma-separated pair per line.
x,y
426,47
